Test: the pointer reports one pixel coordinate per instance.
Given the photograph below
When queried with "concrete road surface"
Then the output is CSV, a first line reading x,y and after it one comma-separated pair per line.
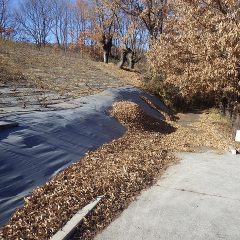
x,y
197,199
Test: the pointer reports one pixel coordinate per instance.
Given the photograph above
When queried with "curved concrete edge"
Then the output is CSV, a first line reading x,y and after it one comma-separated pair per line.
x,y
66,232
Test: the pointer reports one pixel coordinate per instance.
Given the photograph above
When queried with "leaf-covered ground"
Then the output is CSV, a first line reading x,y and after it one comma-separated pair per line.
x,y
119,170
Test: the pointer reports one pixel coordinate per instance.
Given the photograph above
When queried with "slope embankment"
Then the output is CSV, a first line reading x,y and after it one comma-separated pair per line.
x,y
47,142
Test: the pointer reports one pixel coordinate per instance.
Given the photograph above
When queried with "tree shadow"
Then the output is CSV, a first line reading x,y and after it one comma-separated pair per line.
x,y
160,109
4,133
130,70
150,124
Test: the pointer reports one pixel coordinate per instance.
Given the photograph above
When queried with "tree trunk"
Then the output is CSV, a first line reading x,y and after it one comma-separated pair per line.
x,y
106,56
131,60
131,65
107,46
123,58
224,103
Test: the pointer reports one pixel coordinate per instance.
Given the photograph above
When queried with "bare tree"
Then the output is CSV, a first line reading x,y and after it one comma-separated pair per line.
x,y
131,36
35,20
62,19
80,21
150,13
103,19
4,16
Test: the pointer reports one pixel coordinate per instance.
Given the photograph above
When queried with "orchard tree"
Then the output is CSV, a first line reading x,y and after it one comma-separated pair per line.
x,y
131,36
141,24
111,25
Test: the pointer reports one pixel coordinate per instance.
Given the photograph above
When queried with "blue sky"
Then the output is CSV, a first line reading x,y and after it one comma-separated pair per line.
x,y
14,2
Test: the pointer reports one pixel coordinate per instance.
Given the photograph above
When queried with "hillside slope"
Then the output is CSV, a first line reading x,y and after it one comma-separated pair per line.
x,y
31,79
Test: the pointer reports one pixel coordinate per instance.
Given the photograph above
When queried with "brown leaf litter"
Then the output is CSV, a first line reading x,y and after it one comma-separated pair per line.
x,y
119,170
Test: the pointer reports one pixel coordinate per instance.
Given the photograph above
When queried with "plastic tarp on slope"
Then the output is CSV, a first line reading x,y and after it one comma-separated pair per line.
x,y
45,143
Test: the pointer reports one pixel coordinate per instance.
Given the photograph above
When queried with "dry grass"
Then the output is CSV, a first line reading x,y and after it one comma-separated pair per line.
x,y
222,126
10,70
65,73
132,77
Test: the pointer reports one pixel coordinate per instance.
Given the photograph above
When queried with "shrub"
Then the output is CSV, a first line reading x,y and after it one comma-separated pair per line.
x,y
198,52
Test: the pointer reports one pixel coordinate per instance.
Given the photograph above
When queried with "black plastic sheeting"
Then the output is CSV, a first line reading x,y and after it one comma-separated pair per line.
x,y
47,142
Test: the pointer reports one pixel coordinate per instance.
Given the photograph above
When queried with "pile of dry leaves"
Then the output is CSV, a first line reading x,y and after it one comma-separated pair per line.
x,y
119,170
132,116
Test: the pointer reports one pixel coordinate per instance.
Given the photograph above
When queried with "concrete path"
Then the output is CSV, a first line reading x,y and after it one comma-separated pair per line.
x,y
197,199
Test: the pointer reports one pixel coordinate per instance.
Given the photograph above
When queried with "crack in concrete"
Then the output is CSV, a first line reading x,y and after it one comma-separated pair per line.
x,y
200,193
